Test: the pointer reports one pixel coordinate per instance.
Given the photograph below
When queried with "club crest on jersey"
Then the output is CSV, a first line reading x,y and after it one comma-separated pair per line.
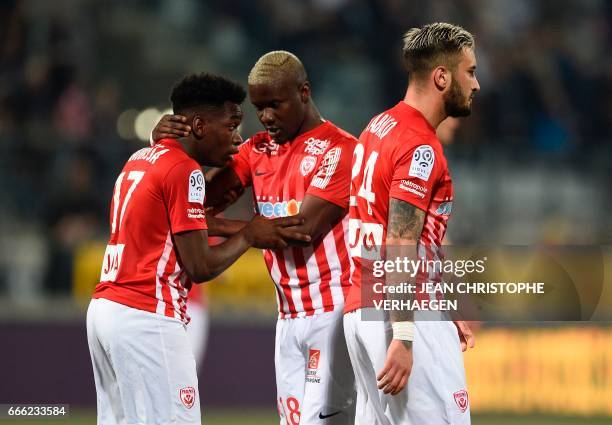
x,y
422,162
187,396
316,146
461,398
196,187
307,165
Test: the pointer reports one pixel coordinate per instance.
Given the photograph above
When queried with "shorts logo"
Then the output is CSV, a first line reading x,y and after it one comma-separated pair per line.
x,y
196,187
313,366
461,398
187,396
313,359
307,165
422,162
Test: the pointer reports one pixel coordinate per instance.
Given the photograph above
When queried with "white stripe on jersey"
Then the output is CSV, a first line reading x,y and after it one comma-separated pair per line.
x,y
161,267
174,293
312,269
276,276
335,285
294,282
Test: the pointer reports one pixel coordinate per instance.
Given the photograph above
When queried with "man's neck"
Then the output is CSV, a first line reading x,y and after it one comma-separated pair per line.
x,y
311,120
431,105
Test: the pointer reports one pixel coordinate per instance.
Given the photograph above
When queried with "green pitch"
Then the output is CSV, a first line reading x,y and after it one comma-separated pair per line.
x,y
263,417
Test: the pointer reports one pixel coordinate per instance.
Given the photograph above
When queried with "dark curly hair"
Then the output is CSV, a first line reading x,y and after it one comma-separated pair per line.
x,y
208,90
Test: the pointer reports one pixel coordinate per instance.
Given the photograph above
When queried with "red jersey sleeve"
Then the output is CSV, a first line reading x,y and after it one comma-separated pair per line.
x,y
240,163
416,170
332,180
184,191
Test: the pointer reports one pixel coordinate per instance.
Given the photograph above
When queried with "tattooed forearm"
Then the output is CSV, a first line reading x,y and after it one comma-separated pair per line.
x,y
405,223
403,233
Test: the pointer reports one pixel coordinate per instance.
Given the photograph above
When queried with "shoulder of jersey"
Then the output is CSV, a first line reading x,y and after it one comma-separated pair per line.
x,y
343,136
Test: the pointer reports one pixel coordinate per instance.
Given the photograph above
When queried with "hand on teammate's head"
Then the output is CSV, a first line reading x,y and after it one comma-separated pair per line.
x,y
171,127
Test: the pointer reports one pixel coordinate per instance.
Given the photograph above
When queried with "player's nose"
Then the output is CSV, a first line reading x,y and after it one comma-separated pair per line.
x,y
267,117
237,140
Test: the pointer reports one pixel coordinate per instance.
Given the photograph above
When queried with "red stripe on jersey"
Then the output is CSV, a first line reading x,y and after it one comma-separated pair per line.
x,y
342,251
324,272
284,281
304,282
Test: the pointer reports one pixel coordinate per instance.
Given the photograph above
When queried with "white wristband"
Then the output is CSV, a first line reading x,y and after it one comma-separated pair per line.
x,y
403,331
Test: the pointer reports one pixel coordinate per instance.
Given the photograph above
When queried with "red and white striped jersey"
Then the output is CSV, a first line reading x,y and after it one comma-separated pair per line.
x,y
160,192
398,156
313,279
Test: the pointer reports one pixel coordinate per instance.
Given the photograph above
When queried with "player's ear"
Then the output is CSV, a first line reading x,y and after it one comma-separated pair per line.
x,y
198,126
441,78
305,91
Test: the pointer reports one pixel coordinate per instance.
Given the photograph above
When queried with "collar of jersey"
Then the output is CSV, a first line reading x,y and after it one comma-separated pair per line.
x,y
417,117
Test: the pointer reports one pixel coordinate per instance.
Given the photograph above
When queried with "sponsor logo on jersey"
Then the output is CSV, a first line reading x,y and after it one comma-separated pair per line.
x,y
187,396
422,162
313,366
307,165
279,209
461,398
111,262
316,146
327,168
381,125
365,239
266,146
445,208
196,187
196,213
413,188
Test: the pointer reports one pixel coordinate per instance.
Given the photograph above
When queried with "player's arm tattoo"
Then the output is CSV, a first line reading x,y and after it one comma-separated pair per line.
x,y
405,223
404,229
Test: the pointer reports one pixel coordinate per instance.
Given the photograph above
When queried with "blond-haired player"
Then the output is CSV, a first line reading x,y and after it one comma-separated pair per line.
x,y
299,166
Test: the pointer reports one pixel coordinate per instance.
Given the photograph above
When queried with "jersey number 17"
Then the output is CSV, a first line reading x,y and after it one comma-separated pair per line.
x,y
114,250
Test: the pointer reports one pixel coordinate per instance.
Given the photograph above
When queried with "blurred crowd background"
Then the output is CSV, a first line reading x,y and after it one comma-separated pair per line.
x,y
82,83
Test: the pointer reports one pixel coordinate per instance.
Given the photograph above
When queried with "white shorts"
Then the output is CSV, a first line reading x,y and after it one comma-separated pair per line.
x,y
143,367
436,393
197,330
314,378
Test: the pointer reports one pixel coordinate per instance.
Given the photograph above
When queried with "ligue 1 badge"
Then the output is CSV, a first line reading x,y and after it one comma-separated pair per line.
x,y
187,396
307,165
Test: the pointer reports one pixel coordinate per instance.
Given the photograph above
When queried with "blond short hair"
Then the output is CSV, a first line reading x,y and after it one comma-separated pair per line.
x,y
277,66
433,45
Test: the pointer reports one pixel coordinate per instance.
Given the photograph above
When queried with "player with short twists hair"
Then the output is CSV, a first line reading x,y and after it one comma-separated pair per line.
x,y
144,369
